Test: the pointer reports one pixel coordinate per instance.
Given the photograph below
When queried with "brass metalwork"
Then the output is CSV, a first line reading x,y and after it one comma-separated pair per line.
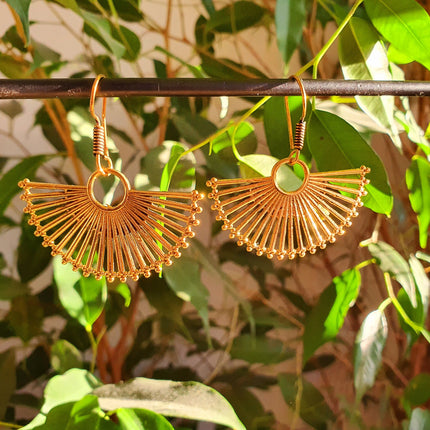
x,y
139,234
263,217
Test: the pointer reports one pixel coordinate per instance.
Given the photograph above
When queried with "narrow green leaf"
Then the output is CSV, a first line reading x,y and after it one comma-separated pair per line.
x,y
65,356
141,419
83,298
290,18
26,316
9,181
184,279
235,17
405,24
369,344
209,6
363,56
260,349
190,400
392,262
164,170
335,145
21,8
7,378
420,419
326,319
417,392
418,183
31,263
10,288
313,407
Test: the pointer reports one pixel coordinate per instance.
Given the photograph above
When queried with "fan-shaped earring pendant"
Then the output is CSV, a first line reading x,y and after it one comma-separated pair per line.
x,y
145,230
267,219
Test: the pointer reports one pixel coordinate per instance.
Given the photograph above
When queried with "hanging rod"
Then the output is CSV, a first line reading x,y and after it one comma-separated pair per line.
x,y
132,87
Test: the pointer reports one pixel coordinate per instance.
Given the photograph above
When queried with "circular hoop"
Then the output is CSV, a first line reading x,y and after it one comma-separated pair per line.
x,y
108,172
290,162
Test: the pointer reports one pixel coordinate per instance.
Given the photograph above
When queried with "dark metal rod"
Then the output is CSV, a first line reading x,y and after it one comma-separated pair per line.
x,y
132,87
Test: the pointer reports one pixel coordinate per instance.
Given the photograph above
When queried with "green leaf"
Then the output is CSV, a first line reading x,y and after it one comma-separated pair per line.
x,y
9,181
313,407
392,262
209,6
369,344
418,183
141,419
336,145
65,356
276,126
21,8
420,420
422,282
326,319
13,68
260,349
184,279
10,288
26,316
405,24
31,263
164,170
7,378
417,392
235,17
83,298
290,18
190,400
363,56
101,28
255,165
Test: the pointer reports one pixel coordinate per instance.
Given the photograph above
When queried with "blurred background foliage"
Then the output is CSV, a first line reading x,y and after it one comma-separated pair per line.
x,y
334,340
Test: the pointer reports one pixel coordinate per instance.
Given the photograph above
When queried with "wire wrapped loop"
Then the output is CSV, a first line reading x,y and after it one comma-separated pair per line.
x,y
299,137
99,140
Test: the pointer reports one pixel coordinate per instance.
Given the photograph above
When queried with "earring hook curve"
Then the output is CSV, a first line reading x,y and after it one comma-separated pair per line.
x,y
93,95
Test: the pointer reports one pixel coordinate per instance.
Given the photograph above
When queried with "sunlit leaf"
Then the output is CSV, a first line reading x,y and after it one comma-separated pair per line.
x,y
392,262
418,183
141,419
235,17
369,344
190,400
335,145
405,24
326,319
83,298
420,419
313,407
363,56
260,349
13,68
290,18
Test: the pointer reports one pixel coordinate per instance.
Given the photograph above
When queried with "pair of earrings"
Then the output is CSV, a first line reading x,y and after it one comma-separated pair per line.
x,y
146,229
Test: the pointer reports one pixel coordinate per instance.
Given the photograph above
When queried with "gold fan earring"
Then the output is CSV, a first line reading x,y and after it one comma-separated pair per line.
x,y
134,237
270,220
